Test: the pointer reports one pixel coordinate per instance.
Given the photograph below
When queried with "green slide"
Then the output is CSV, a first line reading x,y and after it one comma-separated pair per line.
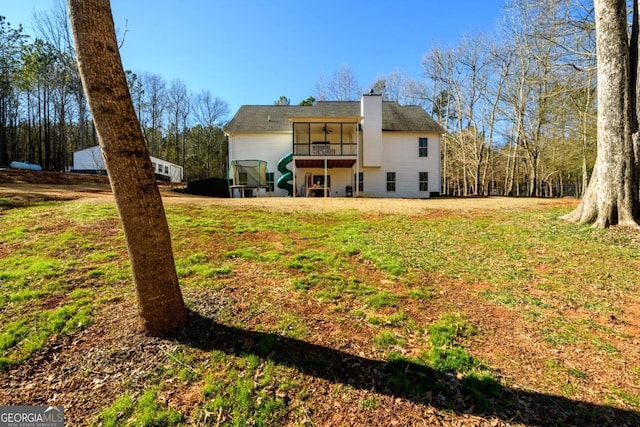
x,y
287,175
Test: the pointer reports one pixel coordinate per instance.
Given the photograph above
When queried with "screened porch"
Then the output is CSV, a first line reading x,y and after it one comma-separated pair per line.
x,y
321,138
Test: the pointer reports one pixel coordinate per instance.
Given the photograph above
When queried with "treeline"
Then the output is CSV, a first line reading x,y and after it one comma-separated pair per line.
x,y
518,105
44,115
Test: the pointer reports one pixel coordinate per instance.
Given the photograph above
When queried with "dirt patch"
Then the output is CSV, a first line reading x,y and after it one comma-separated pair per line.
x,y
10,176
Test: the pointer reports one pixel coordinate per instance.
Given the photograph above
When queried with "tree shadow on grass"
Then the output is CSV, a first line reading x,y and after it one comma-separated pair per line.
x,y
483,397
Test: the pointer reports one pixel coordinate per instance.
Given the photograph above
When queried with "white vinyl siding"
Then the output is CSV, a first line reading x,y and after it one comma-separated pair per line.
x,y
399,155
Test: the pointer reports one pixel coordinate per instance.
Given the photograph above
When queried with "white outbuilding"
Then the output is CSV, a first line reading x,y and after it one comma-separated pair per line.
x,y
89,160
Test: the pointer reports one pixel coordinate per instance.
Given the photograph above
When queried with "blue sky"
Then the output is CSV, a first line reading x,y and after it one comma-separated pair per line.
x,y
254,51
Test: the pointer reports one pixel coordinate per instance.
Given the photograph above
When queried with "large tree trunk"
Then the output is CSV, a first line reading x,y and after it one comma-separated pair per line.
x,y
612,195
160,302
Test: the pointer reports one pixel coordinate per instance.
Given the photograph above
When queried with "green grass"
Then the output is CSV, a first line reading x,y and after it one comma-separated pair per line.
x,y
313,260
20,266
245,390
421,293
388,339
143,411
292,325
181,364
632,399
382,299
446,354
378,276
119,411
369,403
43,277
20,339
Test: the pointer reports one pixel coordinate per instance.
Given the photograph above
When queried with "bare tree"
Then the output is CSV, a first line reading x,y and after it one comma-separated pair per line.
x,y
438,69
154,108
209,112
11,49
178,105
499,99
400,87
160,302
343,86
474,53
53,27
574,31
499,61
461,73
533,85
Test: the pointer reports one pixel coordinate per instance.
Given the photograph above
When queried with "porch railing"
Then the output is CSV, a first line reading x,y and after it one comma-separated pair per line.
x,y
324,149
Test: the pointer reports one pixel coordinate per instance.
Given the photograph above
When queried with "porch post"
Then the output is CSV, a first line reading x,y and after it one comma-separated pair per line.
x,y
293,166
325,177
357,180
295,188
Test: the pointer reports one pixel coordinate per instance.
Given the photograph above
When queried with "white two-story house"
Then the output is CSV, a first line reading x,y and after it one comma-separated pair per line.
x,y
371,148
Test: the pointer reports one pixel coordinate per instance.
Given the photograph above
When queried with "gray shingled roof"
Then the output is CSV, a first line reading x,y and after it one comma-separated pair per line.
x,y
275,118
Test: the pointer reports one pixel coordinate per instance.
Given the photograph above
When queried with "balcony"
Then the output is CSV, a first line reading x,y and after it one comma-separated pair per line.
x,y
324,149
320,143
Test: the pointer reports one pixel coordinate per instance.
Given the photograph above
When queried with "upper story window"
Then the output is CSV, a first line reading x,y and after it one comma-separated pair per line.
x,y
423,147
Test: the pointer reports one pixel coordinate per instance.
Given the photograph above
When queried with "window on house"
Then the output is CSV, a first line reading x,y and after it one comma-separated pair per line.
x,y
360,178
423,181
159,168
391,181
166,169
270,179
423,147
